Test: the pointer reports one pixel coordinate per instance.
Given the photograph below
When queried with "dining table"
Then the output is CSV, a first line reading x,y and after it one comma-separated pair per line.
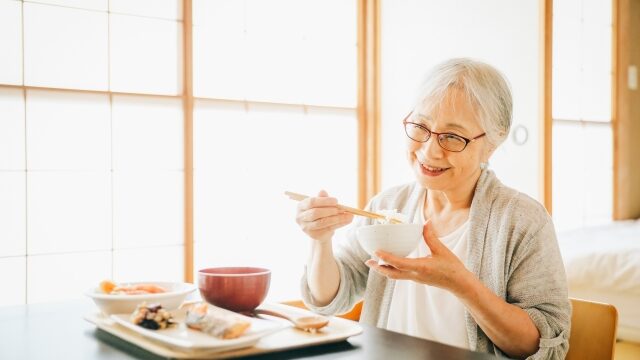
x,y
58,331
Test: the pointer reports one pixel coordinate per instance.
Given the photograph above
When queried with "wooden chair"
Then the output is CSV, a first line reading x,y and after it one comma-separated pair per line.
x,y
593,330
354,314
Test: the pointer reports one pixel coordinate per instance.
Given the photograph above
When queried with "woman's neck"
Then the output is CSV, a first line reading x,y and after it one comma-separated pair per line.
x,y
452,200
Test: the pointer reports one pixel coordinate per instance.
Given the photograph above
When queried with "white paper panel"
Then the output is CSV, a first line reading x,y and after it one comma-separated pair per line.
x,y
274,38
583,175
11,42
288,151
280,51
217,126
330,74
81,4
148,209
598,152
582,60
13,280
145,55
148,133
166,9
68,131
150,264
12,213
65,47
220,14
219,49
65,276
597,12
330,53
12,151
68,211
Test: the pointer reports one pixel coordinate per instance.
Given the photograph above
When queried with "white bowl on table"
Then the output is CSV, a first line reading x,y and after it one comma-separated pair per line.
x,y
122,303
397,239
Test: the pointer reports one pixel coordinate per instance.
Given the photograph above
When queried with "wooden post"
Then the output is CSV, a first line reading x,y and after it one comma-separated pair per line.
x,y
188,138
626,110
368,100
546,115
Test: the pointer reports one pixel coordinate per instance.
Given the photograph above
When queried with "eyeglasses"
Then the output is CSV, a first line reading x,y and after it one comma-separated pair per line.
x,y
450,142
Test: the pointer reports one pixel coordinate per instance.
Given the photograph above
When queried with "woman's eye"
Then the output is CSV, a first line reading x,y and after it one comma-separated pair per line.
x,y
452,137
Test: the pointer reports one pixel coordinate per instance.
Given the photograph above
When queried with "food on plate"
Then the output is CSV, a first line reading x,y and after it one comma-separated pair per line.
x,y
216,321
107,286
110,287
151,316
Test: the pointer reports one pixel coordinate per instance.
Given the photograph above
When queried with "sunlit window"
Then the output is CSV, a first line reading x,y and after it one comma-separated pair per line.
x,y
276,111
582,134
91,183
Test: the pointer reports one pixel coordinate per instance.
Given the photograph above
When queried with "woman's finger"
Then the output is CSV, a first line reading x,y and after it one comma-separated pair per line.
x,y
397,262
315,202
389,271
318,213
328,222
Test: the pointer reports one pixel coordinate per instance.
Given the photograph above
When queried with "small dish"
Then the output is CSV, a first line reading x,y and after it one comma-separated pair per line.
x,y
118,304
183,338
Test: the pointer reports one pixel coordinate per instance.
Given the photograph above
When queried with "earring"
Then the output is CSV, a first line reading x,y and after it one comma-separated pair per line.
x,y
484,165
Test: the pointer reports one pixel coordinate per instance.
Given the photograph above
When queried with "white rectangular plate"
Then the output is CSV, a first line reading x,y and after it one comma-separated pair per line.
x,y
182,337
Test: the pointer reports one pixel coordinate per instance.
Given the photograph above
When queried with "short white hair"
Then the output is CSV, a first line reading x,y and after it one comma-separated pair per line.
x,y
485,88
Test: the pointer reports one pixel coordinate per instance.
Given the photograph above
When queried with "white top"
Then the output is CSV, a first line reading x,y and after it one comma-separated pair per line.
x,y
427,311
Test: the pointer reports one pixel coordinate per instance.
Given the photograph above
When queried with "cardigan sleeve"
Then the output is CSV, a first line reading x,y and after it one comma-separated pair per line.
x,y
350,258
537,284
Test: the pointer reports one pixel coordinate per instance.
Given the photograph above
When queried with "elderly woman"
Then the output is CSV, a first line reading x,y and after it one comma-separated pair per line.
x,y
488,276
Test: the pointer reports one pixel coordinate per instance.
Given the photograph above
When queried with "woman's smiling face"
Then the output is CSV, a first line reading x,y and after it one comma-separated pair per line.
x,y
436,168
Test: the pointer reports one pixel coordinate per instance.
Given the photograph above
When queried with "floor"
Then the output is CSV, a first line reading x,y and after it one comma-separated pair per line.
x,y
627,351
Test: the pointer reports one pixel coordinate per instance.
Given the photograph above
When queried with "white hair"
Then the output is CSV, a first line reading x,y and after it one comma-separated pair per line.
x,y
485,88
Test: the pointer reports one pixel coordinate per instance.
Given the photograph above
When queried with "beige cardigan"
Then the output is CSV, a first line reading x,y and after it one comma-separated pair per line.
x,y
512,249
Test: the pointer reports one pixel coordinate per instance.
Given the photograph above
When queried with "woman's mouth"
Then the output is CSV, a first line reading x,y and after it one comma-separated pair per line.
x,y
432,170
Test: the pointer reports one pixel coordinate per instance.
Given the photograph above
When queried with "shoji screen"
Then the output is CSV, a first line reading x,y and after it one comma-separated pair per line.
x,y
582,137
91,181
276,89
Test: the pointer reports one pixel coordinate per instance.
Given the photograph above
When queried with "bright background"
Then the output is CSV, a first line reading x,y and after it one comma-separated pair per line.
x,y
91,126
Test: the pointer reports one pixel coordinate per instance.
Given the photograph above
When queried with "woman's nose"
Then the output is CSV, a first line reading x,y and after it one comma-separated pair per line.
x,y
431,148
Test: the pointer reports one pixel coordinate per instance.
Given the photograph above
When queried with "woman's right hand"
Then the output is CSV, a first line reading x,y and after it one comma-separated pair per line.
x,y
319,217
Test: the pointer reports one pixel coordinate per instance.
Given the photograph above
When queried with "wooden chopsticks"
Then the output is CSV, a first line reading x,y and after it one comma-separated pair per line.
x,y
300,197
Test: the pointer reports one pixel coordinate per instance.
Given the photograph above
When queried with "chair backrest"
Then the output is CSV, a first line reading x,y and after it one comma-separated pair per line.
x,y
593,330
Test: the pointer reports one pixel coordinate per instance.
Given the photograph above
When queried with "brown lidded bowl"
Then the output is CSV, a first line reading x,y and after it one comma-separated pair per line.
x,y
239,289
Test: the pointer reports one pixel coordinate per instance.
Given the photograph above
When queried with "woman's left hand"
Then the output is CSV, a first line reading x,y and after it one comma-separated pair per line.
x,y
442,268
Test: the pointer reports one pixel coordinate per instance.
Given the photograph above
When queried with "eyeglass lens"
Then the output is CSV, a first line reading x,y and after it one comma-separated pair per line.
x,y
449,142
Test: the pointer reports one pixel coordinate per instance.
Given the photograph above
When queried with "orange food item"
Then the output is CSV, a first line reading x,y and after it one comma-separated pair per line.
x,y
149,288
109,287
